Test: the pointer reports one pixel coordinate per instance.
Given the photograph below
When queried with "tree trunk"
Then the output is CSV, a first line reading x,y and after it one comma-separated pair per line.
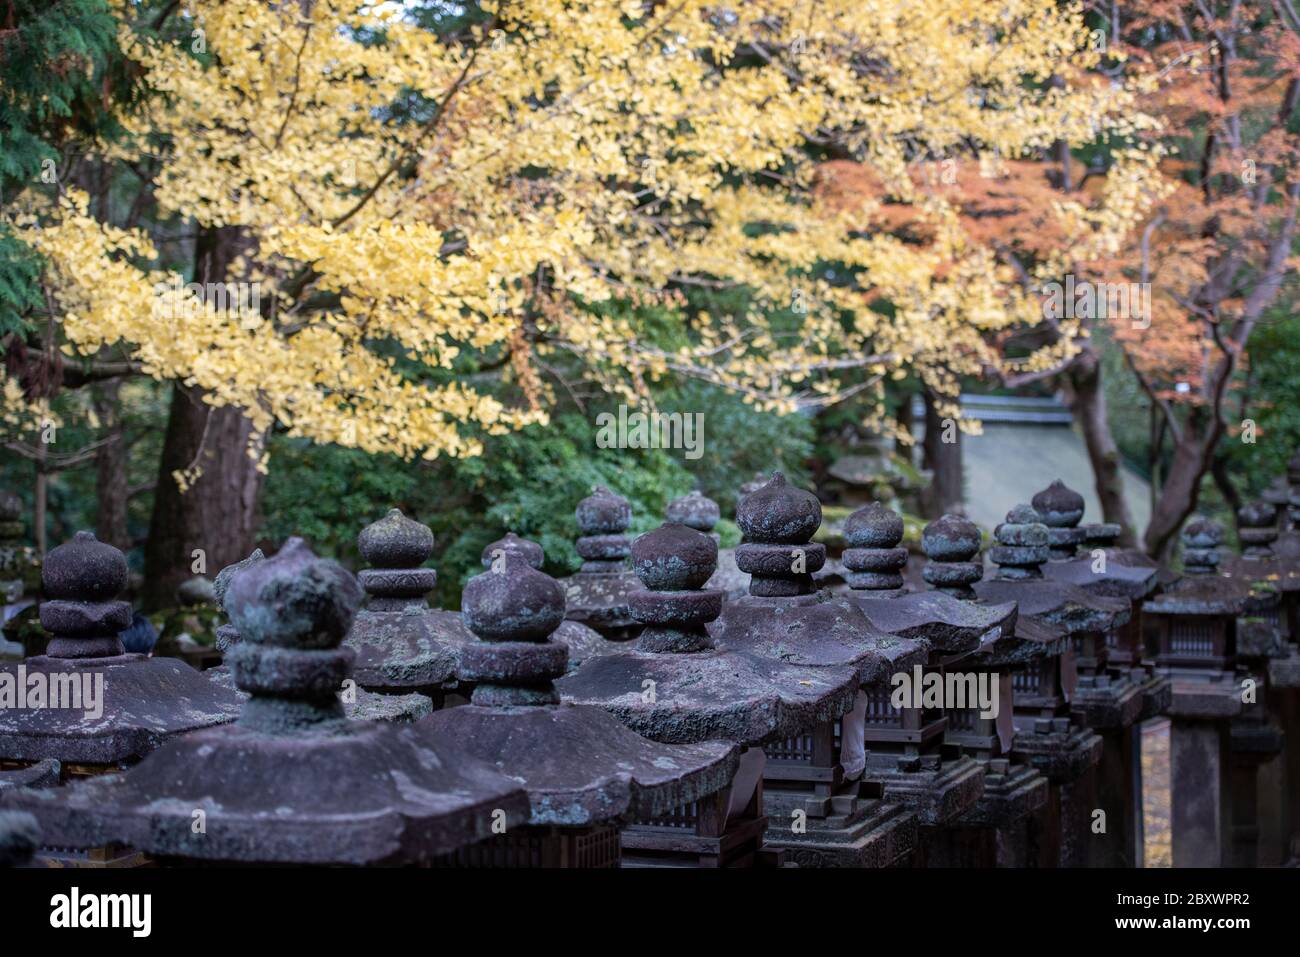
x,y
1088,399
1227,488
111,469
1178,495
943,458
213,522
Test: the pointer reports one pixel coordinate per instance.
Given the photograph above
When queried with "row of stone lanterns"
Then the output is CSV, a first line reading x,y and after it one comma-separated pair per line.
x,y
672,722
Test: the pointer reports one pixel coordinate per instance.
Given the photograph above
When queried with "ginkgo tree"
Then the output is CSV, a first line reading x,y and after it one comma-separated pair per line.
x,y
412,206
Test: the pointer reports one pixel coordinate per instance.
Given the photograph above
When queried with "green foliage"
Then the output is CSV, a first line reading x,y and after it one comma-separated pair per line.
x,y
1273,404
526,482
57,63
327,494
20,270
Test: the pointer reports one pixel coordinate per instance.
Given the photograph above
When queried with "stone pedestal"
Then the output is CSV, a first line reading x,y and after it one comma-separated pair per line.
x,y
1199,806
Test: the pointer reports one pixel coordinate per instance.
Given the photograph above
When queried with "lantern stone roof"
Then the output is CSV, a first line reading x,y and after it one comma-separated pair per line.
x,y
677,685
294,782
141,702
580,765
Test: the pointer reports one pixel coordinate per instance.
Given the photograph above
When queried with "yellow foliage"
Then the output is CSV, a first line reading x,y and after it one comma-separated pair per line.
x,y
571,153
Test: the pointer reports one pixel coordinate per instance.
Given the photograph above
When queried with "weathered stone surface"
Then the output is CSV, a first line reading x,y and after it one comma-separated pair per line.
x,y
19,838
778,522
293,782
400,643
1212,595
1205,699
1059,506
395,541
600,601
42,774
374,794
145,701
1012,792
407,649
947,624
938,796
878,835
678,688
696,510
1027,640
816,630
778,513
129,704
1260,565
873,559
228,634
598,595
368,706
711,694
580,765
951,544
1104,702
1111,579
531,551
84,570
676,557
1059,603
1063,756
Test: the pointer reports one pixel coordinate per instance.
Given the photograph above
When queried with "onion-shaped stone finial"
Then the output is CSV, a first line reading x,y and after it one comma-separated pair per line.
x,y
292,612
603,518
873,556
674,562
695,510
951,543
530,551
1060,508
1201,540
395,541
1022,545
81,579
396,547
228,634
1257,528
513,609
778,522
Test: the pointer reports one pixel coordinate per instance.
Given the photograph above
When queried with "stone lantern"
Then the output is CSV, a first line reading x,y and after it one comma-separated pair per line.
x,y
597,596
402,645
358,703
100,709
582,642
586,773
1115,690
677,686
702,513
1191,630
294,781
913,757
812,781
1264,802
1047,737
